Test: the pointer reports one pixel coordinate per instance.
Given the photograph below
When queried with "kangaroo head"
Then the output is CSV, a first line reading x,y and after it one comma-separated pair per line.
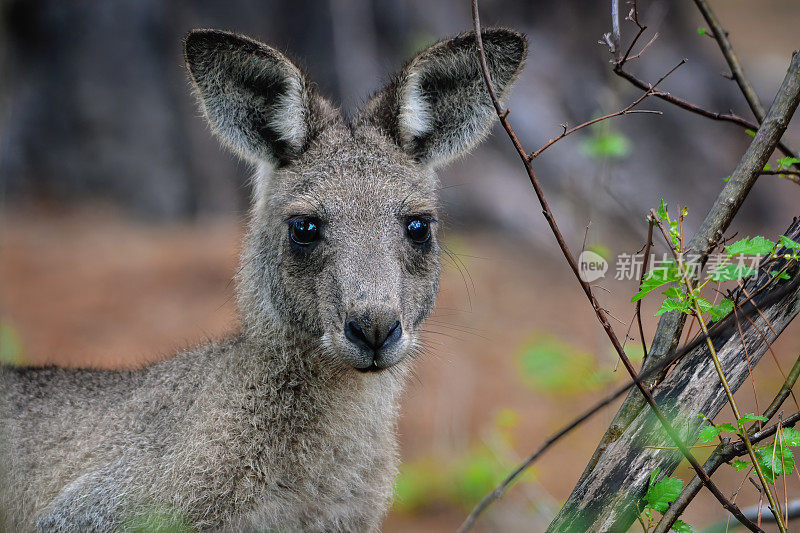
x,y
342,246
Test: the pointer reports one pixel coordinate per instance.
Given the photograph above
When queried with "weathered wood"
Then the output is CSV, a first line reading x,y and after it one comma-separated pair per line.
x,y
606,499
716,222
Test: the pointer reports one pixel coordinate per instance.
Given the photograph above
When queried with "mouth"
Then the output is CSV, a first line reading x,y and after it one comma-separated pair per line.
x,y
371,369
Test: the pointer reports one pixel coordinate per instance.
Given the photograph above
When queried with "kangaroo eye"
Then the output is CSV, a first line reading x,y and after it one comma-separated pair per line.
x,y
303,231
418,230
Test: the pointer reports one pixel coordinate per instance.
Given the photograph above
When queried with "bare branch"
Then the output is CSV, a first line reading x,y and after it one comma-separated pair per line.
x,y
737,74
601,315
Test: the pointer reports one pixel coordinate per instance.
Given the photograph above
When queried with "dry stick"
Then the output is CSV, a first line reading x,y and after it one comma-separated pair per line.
x,y
721,455
733,61
708,235
737,73
601,315
641,279
683,104
721,373
627,111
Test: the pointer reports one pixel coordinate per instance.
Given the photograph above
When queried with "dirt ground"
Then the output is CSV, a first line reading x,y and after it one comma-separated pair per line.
x,y
91,288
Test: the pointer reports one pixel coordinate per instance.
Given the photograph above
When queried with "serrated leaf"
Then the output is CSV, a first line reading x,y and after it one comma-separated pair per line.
x,y
786,162
653,477
657,277
675,292
721,310
662,493
775,460
750,417
732,272
786,242
682,527
662,212
790,437
728,427
709,433
779,274
671,304
740,465
758,245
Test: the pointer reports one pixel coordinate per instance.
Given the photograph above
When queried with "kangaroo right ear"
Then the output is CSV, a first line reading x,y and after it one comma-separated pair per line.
x,y
438,107
254,98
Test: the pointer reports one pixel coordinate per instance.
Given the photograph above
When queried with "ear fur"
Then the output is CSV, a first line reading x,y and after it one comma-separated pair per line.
x,y
438,107
255,99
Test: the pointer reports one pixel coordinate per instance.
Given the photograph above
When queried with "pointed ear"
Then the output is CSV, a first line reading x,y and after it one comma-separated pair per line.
x,y
438,107
254,98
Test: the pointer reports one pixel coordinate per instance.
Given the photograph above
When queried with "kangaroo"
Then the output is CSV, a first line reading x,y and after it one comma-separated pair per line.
x,y
290,424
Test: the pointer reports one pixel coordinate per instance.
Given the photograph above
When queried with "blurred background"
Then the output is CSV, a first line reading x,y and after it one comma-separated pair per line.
x,y
120,216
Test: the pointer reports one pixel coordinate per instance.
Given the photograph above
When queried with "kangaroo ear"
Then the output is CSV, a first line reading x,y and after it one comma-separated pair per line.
x,y
438,107
254,98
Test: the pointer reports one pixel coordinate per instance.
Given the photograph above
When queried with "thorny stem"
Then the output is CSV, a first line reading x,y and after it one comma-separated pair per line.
x,y
721,373
601,315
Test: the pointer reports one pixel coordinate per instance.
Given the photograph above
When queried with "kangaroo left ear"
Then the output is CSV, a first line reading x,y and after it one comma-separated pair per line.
x,y
438,107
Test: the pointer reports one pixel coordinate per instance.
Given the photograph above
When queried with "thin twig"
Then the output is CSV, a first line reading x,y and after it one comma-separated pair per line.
x,y
737,74
628,110
601,316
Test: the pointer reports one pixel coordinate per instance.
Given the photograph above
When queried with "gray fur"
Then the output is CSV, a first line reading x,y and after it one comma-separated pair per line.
x,y
273,429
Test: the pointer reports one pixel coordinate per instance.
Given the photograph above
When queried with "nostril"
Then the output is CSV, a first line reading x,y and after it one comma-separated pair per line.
x,y
394,333
355,334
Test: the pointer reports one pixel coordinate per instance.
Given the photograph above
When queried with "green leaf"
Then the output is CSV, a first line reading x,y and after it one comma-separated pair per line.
x,y
767,167
676,292
656,278
779,274
732,272
775,460
671,304
786,162
740,465
702,31
726,179
709,433
682,527
662,212
790,437
653,477
662,493
758,245
786,242
750,132
750,417
721,310
728,427
606,144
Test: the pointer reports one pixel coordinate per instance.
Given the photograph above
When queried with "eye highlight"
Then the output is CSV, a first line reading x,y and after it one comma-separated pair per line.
x,y
418,229
304,231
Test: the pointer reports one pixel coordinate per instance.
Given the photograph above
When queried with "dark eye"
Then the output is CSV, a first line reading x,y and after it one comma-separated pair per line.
x,y
303,231
418,230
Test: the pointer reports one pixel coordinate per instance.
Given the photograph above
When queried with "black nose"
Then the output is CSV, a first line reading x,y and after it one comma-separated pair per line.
x,y
373,334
